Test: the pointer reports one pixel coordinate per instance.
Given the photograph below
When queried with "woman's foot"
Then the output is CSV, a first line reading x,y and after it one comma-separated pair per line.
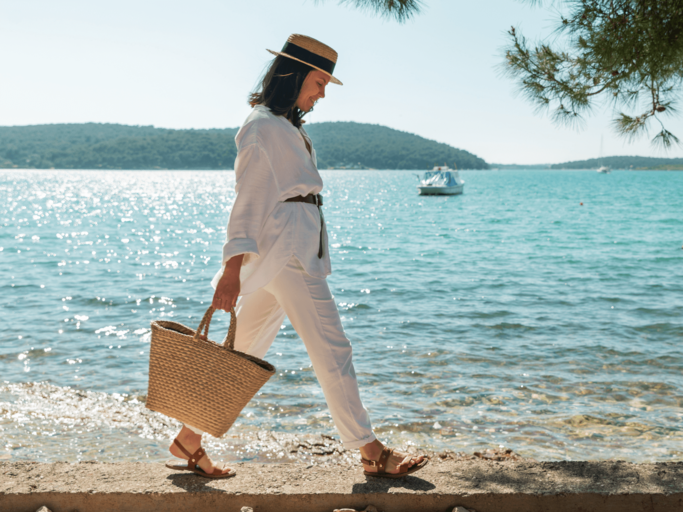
x,y
397,462
192,442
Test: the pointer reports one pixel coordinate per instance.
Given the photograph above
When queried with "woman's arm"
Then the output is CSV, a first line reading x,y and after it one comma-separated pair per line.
x,y
256,197
256,194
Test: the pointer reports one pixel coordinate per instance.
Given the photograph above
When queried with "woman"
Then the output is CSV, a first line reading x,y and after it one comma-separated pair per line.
x,y
276,255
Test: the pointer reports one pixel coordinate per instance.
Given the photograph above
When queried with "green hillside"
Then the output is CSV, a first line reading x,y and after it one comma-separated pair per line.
x,y
371,145
113,146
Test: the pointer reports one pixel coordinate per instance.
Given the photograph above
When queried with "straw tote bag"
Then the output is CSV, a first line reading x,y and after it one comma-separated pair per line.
x,y
199,382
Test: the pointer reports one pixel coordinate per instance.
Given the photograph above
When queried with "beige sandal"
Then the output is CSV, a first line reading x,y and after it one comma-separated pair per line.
x,y
381,466
193,459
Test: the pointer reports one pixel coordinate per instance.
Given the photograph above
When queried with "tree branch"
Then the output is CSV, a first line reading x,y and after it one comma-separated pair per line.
x,y
399,10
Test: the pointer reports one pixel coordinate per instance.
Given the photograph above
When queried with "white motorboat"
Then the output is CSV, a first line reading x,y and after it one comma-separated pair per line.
x,y
441,181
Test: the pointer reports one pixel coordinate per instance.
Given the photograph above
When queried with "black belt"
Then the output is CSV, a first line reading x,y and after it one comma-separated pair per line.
x,y
317,200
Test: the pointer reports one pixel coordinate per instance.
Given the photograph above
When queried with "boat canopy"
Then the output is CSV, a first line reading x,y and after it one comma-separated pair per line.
x,y
442,179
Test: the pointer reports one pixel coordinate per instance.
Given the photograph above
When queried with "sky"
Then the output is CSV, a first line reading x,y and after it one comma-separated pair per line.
x,y
191,64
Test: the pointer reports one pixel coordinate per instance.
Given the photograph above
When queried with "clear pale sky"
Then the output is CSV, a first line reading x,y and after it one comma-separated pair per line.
x,y
191,64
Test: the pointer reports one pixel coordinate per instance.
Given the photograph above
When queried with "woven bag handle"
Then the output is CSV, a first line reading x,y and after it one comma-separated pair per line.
x,y
229,341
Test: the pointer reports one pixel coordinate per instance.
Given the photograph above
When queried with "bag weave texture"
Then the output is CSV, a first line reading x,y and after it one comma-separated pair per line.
x,y
199,382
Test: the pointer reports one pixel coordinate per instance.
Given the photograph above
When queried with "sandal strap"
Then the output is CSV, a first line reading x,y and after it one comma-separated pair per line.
x,y
386,452
182,448
218,470
191,457
381,463
196,456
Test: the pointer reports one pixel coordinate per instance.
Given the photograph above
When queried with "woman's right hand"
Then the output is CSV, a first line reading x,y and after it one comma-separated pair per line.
x,y
228,288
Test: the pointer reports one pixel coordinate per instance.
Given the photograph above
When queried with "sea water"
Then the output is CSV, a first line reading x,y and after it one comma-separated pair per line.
x,y
540,311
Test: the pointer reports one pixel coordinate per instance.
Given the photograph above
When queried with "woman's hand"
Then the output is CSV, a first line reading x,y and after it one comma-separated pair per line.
x,y
228,288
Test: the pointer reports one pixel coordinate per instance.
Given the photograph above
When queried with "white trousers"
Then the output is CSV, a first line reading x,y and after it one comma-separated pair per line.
x,y
310,307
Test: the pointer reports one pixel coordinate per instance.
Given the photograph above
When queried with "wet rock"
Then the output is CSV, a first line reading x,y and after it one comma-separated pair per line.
x,y
498,455
462,509
43,509
246,509
319,449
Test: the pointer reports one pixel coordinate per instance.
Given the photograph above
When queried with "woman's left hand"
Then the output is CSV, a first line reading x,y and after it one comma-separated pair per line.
x,y
228,288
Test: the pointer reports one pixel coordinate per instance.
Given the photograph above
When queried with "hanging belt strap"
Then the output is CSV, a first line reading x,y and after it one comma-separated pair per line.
x,y
317,200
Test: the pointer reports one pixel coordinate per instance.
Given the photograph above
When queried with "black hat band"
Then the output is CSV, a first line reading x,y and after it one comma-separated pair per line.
x,y
308,57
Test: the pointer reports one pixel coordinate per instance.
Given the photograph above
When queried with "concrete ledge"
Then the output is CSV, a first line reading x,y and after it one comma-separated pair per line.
x,y
484,486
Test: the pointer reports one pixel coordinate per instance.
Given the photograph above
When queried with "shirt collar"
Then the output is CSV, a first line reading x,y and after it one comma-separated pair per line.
x,y
282,118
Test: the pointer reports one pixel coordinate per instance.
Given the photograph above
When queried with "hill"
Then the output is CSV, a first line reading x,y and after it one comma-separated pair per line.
x,y
113,146
375,146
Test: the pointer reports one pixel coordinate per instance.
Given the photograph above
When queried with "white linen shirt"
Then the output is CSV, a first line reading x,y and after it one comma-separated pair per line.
x,y
272,165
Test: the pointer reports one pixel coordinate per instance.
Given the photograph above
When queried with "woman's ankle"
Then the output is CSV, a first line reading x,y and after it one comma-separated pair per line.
x,y
372,450
188,436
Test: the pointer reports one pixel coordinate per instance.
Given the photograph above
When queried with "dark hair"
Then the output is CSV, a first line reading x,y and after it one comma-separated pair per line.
x,y
280,88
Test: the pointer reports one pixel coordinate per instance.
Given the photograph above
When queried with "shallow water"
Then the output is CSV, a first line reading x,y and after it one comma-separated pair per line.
x,y
511,315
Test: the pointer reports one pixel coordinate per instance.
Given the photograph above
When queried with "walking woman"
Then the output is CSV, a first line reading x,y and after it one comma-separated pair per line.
x,y
276,255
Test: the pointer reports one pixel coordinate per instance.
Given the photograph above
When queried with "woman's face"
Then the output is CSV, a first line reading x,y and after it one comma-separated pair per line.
x,y
312,90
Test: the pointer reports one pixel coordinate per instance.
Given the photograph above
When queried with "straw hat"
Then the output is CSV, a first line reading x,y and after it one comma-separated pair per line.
x,y
312,52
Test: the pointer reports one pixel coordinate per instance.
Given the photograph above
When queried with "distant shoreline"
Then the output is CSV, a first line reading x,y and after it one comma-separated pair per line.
x,y
339,145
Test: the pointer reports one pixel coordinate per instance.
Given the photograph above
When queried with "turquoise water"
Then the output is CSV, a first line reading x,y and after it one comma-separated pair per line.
x,y
512,315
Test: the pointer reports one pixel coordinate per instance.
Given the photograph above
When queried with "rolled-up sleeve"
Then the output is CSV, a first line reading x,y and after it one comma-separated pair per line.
x,y
254,202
